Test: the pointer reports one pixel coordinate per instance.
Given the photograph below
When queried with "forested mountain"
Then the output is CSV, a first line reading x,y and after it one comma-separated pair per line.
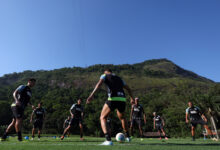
x,y
161,86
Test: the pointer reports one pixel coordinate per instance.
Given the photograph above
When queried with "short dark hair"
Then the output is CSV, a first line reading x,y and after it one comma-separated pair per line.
x,y
109,70
40,103
32,80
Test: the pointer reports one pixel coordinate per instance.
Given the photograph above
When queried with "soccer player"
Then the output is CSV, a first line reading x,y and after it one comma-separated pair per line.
x,y
116,100
39,113
22,96
76,112
136,117
159,124
66,124
196,117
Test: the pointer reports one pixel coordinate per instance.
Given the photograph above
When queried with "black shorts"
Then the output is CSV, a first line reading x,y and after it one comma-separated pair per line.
x,y
137,122
18,112
38,124
198,121
119,105
159,126
75,121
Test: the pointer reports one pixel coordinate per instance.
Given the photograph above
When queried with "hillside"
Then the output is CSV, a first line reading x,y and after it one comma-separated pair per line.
x,y
162,86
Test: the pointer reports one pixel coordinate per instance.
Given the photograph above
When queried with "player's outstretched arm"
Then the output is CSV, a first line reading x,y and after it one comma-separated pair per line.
x,y
145,118
32,117
154,123
204,118
15,97
131,112
95,89
187,121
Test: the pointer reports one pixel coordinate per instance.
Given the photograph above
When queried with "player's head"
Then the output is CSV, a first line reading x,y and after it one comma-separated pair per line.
x,y
136,100
154,113
31,82
190,104
108,71
79,101
40,104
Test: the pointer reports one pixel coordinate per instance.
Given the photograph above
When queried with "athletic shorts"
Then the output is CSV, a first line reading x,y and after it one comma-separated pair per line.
x,y
18,112
75,121
199,121
119,105
38,124
137,122
159,126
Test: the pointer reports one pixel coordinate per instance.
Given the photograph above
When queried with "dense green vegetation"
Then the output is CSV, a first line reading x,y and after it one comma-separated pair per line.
x,y
161,86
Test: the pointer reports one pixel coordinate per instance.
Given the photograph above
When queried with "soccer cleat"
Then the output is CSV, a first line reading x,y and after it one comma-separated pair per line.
x,y
160,138
142,139
107,143
81,139
128,139
32,139
166,138
193,138
62,137
38,139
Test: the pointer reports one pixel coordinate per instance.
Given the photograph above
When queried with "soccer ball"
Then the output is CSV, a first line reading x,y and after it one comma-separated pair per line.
x,y
120,137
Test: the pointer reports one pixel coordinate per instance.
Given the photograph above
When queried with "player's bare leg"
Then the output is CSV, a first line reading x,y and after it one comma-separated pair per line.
x,y
124,124
159,134
193,133
65,131
39,132
18,125
81,131
33,132
164,134
131,130
9,128
140,131
103,118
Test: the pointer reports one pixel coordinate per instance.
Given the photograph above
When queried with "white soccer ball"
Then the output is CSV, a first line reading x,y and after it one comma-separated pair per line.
x,y
120,137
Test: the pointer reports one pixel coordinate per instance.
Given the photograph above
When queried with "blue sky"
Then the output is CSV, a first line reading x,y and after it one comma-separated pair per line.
x,y
51,34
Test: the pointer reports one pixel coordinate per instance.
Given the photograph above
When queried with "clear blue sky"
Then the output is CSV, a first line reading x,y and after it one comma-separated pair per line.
x,y
51,34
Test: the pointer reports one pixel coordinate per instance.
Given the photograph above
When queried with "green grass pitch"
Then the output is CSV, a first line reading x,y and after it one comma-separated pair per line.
x,y
92,143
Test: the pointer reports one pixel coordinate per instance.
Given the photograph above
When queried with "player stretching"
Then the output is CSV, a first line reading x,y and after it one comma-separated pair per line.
x,y
39,113
196,117
66,124
22,96
136,117
116,100
76,112
159,124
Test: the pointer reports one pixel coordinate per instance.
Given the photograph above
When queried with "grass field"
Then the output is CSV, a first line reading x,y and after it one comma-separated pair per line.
x,y
92,143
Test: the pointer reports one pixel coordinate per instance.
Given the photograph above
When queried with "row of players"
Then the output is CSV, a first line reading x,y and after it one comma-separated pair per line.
x,y
137,117
116,100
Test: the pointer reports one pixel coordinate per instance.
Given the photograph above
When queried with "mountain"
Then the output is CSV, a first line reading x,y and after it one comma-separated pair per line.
x,y
161,85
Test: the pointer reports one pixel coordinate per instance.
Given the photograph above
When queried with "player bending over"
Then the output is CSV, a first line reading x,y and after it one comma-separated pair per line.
x,y
39,113
66,124
76,112
116,100
136,117
159,124
196,117
22,96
